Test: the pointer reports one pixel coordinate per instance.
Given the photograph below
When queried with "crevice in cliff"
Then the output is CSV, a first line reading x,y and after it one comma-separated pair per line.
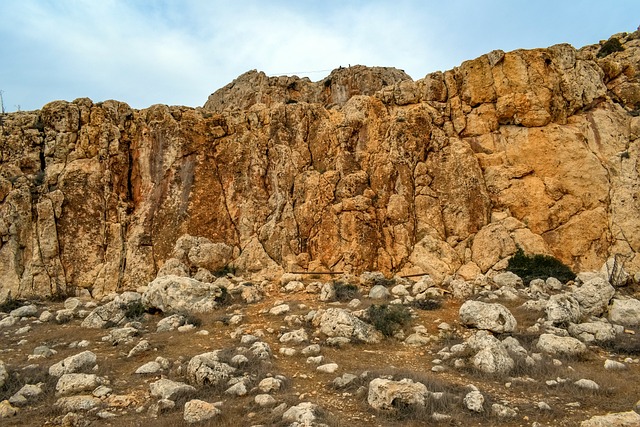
x,y
237,236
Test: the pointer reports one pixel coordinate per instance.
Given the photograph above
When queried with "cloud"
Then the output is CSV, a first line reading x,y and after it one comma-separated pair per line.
x,y
179,51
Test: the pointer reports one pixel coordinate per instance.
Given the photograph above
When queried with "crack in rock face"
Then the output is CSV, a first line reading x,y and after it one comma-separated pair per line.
x,y
365,170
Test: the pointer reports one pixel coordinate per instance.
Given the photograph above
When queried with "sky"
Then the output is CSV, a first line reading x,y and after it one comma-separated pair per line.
x,y
177,52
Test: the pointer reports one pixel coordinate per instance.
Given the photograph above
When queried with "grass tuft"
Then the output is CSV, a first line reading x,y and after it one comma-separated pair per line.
x,y
389,319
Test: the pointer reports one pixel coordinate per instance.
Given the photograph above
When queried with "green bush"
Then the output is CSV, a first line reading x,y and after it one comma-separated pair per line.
x,y
388,319
345,291
134,310
610,46
530,267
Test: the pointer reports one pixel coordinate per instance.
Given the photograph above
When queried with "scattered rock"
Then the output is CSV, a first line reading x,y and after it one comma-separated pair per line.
x,y
474,401
555,345
77,403
329,368
207,369
25,311
379,292
621,419
265,400
172,390
587,384
303,413
337,322
174,293
613,365
81,362
196,411
492,317
594,296
387,395
563,308
625,312
74,383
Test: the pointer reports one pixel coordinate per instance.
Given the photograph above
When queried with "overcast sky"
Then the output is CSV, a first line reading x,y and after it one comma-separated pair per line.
x,y
145,52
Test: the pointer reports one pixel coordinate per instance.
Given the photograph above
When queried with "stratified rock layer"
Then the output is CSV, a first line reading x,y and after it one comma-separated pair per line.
x,y
364,170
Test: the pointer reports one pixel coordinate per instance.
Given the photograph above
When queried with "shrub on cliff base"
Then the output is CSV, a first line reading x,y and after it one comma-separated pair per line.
x,y
538,266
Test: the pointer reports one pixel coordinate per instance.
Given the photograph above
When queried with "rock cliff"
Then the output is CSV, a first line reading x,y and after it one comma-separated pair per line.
x,y
364,170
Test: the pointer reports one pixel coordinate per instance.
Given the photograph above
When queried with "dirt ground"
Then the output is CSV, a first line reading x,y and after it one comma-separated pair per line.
x,y
130,398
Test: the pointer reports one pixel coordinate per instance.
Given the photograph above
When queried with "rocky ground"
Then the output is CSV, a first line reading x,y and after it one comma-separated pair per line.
x,y
314,351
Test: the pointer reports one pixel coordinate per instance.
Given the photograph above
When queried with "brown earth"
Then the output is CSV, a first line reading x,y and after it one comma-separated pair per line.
x,y
347,407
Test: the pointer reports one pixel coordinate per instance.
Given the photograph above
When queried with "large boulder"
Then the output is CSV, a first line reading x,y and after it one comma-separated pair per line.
x,y
594,296
491,355
619,419
337,322
625,311
112,313
207,369
175,293
560,346
172,390
593,331
74,383
197,411
81,362
492,317
385,394
563,308
201,252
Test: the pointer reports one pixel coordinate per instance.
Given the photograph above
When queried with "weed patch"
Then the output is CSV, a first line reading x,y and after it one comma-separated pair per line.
x,y
389,319
345,291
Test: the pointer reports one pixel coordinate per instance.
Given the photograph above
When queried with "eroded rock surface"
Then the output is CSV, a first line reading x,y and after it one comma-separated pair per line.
x,y
365,170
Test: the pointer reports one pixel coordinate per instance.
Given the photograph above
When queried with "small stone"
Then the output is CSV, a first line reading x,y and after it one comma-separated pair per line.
x,y
614,365
311,350
344,381
502,411
288,351
280,309
315,360
544,406
587,384
265,400
329,368
149,368
7,410
141,347
268,385
238,389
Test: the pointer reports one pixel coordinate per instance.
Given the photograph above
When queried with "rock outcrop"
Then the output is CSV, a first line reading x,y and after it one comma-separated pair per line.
x,y
364,170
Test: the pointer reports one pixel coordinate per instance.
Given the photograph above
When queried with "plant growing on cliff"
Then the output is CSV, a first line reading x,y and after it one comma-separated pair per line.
x,y
538,266
610,46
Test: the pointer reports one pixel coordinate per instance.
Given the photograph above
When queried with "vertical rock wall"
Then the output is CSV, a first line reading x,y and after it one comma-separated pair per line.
x,y
364,170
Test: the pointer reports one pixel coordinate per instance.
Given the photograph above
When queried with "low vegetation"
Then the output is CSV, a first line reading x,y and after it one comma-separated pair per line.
x,y
389,319
530,267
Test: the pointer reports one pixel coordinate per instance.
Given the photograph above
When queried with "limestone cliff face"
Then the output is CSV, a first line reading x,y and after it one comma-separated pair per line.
x,y
364,170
